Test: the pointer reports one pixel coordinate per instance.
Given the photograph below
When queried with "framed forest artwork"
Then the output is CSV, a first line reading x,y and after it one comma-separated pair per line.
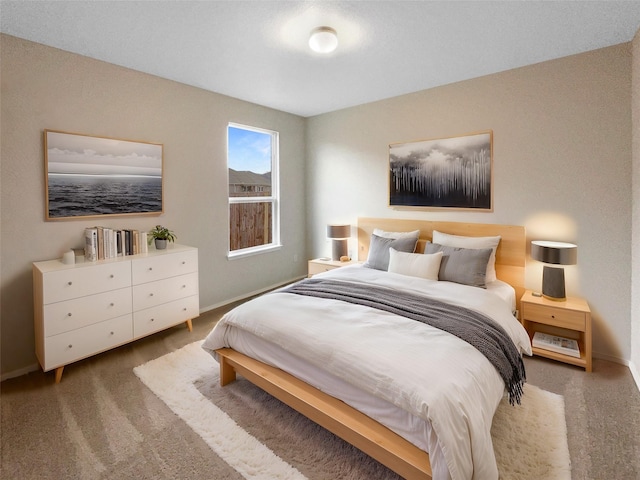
x,y
450,173
90,176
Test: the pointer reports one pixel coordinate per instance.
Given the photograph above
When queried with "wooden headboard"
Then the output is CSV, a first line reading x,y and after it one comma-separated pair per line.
x,y
510,256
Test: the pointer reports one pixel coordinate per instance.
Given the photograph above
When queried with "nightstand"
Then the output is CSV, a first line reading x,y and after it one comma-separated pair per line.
x,y
320,265
570,318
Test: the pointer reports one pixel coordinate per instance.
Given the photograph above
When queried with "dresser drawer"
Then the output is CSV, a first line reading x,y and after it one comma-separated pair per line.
x,y
77,344
85,280
163,316
69,315
558,317
162,266
155,293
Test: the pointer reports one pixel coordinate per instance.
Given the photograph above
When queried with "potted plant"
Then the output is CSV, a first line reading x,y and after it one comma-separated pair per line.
x,y
161,236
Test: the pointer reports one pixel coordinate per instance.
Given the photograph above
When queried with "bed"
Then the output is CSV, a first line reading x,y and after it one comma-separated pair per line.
x,y
394,387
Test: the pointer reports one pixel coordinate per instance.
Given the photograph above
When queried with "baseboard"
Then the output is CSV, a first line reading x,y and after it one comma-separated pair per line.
x,y
249,295
627,363
35,366
611,358
635,374
21,371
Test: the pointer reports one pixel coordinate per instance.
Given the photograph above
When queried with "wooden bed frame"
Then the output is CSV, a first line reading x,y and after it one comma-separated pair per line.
x,y
361,431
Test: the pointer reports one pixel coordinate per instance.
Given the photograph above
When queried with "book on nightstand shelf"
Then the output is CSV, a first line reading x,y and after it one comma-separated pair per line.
x,y
556,344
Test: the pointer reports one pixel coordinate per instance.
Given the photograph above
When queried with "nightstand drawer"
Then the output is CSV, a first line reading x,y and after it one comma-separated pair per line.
x,y
557,317
315,268
321,265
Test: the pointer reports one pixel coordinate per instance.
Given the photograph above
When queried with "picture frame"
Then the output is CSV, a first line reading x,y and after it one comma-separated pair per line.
x,y
444,173
89,176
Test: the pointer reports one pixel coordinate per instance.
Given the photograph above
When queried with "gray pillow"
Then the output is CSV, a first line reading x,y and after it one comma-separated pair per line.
x,y
378,257
462,265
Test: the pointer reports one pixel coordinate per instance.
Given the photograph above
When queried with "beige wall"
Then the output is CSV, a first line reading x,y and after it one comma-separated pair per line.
x,y
46,88
635,246
562,167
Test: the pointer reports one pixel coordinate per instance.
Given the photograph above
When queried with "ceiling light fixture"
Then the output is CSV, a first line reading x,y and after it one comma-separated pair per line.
x,y
323,40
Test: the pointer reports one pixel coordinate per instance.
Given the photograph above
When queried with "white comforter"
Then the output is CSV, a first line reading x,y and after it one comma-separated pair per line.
x,y
430,373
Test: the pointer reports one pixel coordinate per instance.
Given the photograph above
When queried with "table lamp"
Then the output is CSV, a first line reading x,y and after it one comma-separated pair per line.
x,y
555,253
339,234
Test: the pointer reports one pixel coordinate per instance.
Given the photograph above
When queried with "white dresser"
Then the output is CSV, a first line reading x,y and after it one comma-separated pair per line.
x,y
90,307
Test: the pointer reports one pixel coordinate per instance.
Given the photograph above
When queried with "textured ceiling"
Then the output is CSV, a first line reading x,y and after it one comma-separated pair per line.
x,y
257,50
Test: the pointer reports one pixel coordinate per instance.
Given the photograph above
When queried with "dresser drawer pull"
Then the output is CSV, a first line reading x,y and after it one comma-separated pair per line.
x,y
183,262
69,314
553,316
153,319
70,346
70,283
184,309
150,268
111,304
111,333
111,276
151,294
184,286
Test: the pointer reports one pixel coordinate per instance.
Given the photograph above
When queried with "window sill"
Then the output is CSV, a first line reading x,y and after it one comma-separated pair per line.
x,y
248,252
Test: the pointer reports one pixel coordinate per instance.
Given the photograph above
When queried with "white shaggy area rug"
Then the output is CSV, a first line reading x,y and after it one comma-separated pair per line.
x,y
261,438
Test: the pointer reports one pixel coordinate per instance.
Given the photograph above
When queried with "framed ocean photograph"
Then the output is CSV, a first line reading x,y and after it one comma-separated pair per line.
x,y
451,173
90,176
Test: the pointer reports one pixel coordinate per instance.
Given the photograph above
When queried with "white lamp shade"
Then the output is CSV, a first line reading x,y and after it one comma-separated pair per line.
x,y
323,40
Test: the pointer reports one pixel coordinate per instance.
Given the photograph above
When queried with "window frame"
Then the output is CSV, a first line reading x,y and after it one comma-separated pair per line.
x,y
273,199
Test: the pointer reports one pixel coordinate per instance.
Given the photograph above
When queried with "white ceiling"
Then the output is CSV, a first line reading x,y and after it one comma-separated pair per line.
x,y
257,50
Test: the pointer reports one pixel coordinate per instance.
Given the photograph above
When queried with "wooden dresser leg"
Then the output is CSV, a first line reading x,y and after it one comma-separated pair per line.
x,y
189,325
59,374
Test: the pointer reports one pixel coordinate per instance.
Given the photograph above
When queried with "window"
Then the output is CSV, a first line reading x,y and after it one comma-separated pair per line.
x,y
252,158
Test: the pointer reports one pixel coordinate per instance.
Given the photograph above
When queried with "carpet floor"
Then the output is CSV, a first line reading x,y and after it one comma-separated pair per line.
x,y
102,422
260,437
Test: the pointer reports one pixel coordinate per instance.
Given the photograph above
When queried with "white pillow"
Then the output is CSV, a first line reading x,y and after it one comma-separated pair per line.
x,y
415,264
383,234
472,243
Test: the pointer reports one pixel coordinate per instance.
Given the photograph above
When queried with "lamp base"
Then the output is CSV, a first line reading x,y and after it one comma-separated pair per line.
x,y
339,249
553,283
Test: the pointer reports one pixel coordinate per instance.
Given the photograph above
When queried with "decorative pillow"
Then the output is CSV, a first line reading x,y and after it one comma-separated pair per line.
x,y
383,234
378,257
415,264
473,243
462,265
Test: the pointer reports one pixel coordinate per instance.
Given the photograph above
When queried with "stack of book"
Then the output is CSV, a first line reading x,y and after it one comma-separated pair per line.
x,y
567,346
101,243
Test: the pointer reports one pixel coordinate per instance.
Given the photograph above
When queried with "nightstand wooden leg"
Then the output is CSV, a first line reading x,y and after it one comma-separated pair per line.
x,y
189,325
588,346
59,371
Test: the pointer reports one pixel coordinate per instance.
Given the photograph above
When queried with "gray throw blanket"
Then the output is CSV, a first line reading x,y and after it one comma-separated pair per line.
x,y
473,327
